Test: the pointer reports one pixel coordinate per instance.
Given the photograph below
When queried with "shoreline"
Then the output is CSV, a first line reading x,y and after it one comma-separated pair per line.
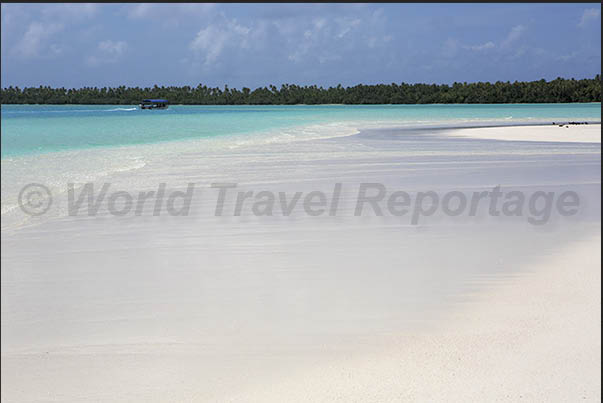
x,y
357,130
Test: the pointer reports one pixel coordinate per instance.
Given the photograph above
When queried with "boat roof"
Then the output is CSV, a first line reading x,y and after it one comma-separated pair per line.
x,y
155,100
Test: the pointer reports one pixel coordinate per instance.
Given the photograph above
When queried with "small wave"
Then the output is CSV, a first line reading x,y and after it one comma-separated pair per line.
x,y
120,109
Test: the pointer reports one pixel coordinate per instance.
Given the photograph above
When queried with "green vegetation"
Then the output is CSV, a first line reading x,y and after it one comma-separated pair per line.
x,y
558,90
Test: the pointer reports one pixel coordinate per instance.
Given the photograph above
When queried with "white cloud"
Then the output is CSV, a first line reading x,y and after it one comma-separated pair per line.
x,y
113,48
310,38
34,31
479,48
513,36
452,46
319,23
346,25
590,14
107,52
323,40
34,39
376,35
210,41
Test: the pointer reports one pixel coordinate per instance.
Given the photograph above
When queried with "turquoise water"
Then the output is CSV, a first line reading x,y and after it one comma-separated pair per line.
x,y
39,129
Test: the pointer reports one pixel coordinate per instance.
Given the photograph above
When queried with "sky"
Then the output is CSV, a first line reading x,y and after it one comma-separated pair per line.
x,y
254,45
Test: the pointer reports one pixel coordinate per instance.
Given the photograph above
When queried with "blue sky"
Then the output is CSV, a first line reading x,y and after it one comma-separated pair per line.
x,y
75,45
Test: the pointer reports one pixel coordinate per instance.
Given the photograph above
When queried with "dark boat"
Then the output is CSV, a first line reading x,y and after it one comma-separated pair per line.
x,y
154,104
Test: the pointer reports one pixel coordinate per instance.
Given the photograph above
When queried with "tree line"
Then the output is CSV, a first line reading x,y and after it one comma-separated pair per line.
x,y
542,91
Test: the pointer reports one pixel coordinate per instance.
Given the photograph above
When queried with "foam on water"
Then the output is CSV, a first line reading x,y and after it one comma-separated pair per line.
x,y
121,109
55,171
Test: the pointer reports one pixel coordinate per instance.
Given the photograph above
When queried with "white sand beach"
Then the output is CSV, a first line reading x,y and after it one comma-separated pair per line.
x,y
559,133
534,338
318,308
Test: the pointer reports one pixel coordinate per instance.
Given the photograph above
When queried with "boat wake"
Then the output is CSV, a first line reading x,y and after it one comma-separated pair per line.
x,y
120,109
